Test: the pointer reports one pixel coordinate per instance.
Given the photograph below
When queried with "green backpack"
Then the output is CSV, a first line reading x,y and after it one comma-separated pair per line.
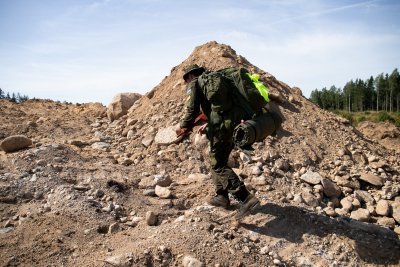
x,y
229,87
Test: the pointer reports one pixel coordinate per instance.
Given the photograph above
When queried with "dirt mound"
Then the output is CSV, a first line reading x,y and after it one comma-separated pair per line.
x,y
384,133
91,192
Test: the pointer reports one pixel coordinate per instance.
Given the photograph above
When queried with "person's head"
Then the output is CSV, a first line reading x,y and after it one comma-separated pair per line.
x,y
192,71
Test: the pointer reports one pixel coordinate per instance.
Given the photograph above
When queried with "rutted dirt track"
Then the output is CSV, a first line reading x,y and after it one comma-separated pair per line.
x,y
90,192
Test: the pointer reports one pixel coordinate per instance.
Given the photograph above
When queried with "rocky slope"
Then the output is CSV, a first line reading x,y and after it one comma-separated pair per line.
x,y
91,192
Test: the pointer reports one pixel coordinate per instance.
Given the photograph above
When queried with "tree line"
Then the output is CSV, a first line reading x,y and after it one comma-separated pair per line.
x,y
13,97
381,93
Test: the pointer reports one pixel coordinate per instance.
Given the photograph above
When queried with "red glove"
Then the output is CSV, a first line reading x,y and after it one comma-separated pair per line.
x,y
201,118
182,131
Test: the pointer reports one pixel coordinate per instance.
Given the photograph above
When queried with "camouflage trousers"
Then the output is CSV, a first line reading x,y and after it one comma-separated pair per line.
x,y
224,178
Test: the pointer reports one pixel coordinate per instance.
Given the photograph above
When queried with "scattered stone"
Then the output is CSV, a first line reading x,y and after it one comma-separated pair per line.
x,y
101,146
372,179
341,212
330,188
259,180
362,215
149,192
311,177
162,192
151,218
166,136
330,211
344,151
126,161
397,230
190,261
81,187
99,193
360,158
382,207
377,164
256,170
364,196
6,230
264,250
245,157
386,221
117,261
281,164
347,182
396,211
372,159
162,180
347,204
114,228
147,182
147,140
15,142
310,199
78,143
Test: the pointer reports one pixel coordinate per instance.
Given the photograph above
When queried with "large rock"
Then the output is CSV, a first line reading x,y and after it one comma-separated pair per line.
x,y
120,105
15,143
330,188
163,192
162,180
372,179
310,199
362,215
383,207
311,177
167,136
396,211
364,196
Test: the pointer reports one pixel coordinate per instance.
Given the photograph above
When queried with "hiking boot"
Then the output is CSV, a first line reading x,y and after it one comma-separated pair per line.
x,y
249,204
219,201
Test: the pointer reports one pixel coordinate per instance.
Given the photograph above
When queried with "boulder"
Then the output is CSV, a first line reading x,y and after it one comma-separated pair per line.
x,y
371,179
151,218
162,180
15,143
396,211
362,215
163,192
382,207
120,105
311,177
330,188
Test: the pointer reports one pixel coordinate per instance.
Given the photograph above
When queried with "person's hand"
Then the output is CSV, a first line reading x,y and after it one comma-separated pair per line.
x,y
182,131
202,129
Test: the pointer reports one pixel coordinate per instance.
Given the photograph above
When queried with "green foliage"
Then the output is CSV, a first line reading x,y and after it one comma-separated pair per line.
x,y
379,93
16,98
384,116
361,119
347,115
357,117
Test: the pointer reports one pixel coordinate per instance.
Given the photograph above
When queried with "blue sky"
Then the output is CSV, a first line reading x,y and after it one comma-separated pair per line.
x,y
90,50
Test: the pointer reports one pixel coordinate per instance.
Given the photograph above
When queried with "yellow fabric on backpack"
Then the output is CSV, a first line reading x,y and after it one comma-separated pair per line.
x,y
259,85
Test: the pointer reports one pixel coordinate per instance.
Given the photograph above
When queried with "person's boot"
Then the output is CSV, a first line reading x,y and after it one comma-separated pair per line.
x,y
247,206
219,201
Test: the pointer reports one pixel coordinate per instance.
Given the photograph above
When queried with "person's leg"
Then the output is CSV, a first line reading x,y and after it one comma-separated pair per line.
x,y
225,179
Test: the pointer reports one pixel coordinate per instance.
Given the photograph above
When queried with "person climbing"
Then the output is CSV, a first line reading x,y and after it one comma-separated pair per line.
x,y
219,132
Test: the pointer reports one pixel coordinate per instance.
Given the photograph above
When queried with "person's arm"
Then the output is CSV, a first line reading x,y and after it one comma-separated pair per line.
x,y
192,107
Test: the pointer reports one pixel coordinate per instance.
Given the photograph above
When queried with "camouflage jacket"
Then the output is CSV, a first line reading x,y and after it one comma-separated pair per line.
x,y
197,102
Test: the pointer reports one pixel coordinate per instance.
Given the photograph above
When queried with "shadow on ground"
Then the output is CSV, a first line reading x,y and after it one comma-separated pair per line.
x,y
373,244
